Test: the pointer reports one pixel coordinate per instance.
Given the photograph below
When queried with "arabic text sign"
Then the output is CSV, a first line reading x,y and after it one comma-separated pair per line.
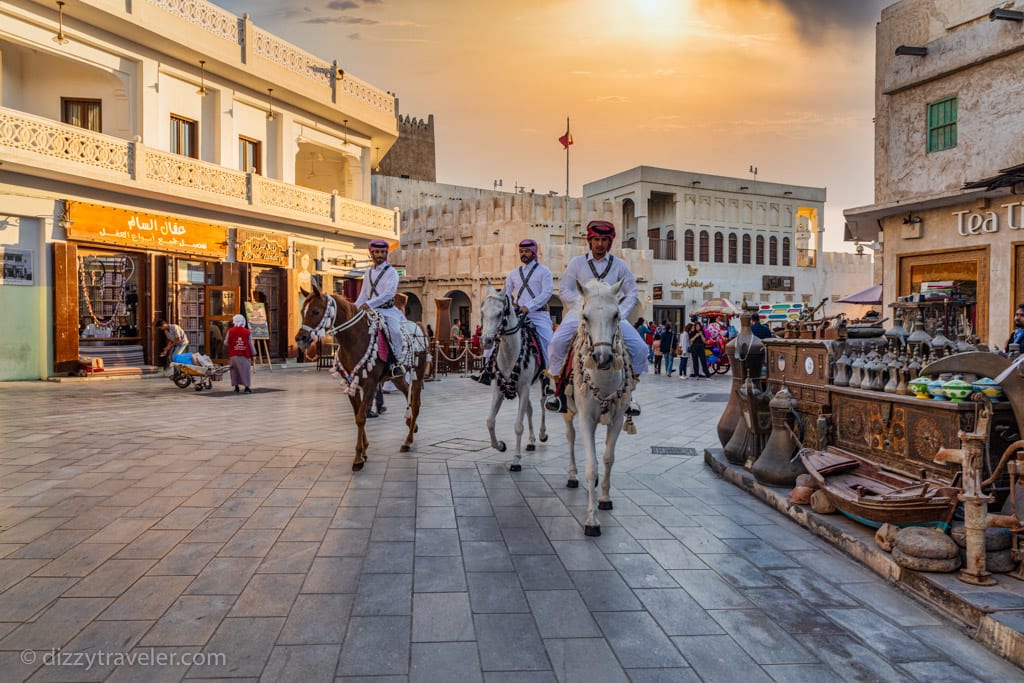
x,y
107,225
256,312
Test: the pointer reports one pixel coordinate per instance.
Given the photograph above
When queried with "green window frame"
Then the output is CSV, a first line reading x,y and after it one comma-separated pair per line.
x,y
942,122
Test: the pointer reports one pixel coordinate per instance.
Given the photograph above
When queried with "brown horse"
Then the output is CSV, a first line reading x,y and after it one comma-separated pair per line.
x,y
355,331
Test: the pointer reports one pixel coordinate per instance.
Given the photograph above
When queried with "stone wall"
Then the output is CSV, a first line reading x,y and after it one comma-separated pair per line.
x,y
413,155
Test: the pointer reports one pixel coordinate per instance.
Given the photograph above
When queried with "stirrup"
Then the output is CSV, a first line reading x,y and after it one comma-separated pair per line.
x,y
633,409
545,383
555,404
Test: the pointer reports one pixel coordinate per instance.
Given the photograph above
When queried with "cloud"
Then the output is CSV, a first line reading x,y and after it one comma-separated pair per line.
x,y
612,99
341,20
342,5
814,16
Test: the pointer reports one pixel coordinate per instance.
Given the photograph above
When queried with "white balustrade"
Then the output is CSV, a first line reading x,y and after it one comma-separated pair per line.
x,y
59,141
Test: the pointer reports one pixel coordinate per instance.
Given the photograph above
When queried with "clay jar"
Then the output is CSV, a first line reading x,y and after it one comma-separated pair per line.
x,y
746,358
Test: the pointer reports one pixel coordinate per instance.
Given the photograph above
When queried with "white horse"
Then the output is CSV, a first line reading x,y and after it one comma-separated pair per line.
x,y
517,365
602,384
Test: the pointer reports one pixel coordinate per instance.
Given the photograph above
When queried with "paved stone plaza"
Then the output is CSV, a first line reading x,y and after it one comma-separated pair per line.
x,y
142,520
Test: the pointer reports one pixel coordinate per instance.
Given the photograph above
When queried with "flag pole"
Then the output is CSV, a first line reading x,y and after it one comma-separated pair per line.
x,y
569,134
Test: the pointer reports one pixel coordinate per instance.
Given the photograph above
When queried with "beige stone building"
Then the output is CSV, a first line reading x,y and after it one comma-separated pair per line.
x,y
949,157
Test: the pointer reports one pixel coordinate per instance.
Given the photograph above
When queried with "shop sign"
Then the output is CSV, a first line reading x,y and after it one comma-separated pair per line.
x,y
137,230
968,223
256,246
657,292
776,283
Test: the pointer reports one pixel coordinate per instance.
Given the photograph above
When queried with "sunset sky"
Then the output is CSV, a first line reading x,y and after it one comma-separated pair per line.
x,y
710,86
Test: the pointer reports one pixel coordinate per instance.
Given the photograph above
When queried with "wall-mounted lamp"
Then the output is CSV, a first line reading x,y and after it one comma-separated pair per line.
x,y
911,50
344,133
59,38
744,187
376,164
911,220
202,77
695,182
339,74
270,103
1006,15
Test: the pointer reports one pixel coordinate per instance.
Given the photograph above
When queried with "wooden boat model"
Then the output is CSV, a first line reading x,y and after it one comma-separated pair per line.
x,y
872,495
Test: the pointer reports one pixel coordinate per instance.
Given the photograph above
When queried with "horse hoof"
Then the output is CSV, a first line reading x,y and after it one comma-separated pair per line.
x,y
572,484
515,468
604,505
530,447
591,530
501,447
357,466
544,438
404,448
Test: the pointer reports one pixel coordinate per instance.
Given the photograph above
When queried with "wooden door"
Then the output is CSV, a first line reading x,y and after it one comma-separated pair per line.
x,y
222,304
65,307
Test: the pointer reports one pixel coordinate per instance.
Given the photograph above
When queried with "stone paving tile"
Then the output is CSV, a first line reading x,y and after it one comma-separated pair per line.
x,y
637,640
439,575
268,595
441,617
376,646
885,599
191,620
302,663
186,559
852,660
445,662
79,560
881,635
479,529
765,641
148,598
677,613
541,572
22,601
938,672
246,642
317,619
584,659
111,579
50,546
709,590
383,595
491,592
224,576
55,625
581,556
333,575
509,642
92,646
718,659
790,611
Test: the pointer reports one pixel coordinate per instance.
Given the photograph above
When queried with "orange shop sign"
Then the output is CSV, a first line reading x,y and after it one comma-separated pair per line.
x,y
137,230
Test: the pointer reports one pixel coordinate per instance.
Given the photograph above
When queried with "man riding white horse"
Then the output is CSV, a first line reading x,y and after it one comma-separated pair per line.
x,y
380,285
530,286
600,265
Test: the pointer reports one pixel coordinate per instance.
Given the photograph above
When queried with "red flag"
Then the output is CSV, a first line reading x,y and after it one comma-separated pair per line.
x,y
566,139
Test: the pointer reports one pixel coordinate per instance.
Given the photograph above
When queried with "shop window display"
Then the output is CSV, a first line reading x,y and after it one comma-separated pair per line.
x,y
108,297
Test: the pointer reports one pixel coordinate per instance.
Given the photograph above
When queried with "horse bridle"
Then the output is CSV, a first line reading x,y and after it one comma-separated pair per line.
x,y
323,330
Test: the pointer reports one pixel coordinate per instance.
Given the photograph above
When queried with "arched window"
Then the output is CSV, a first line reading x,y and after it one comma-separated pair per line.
x,y
719,248
759,250
785,251
732,247
688,245
773,251
704,245
746,249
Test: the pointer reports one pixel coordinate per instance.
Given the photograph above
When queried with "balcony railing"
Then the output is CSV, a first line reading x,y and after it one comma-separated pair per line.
x,y
47,148
238,31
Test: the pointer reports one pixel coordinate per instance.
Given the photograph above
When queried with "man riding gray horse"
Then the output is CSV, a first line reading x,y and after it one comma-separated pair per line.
x,y
596,265
530,286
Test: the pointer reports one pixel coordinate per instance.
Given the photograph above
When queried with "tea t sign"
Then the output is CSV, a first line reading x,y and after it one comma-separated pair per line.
x,y
968,223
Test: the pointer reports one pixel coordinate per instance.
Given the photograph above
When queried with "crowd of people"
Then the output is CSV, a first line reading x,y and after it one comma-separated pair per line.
x,y
691,346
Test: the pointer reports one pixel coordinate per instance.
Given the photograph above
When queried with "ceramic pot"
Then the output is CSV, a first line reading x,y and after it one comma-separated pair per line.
x,y
957,390
935,388
988,386
920,387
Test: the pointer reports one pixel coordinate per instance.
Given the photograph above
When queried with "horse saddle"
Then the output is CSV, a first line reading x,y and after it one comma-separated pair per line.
x,y
414,342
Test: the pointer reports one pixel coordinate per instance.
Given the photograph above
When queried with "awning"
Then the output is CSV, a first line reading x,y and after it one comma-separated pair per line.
x,y
871,295
1008,177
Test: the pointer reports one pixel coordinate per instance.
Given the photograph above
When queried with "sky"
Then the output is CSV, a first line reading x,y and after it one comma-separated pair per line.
x,y
708,86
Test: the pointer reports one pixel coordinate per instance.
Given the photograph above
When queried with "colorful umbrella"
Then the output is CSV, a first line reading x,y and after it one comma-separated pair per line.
x,y
716,306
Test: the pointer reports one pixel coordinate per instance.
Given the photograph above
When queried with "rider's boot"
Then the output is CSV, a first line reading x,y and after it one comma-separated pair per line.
x,y
545,383
483,377
556,402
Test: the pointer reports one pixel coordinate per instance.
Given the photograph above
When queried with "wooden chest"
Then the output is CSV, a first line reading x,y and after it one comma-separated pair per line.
x,y
798,361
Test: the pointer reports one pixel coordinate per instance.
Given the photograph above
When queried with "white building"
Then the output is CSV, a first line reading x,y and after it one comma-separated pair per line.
x,y
737,238
163,158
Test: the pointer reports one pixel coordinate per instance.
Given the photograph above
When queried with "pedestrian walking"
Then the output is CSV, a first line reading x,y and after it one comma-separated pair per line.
x,y
658,353
682,350
240,353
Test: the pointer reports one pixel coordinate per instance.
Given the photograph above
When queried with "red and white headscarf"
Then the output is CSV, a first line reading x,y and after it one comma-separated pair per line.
x,y
600,229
